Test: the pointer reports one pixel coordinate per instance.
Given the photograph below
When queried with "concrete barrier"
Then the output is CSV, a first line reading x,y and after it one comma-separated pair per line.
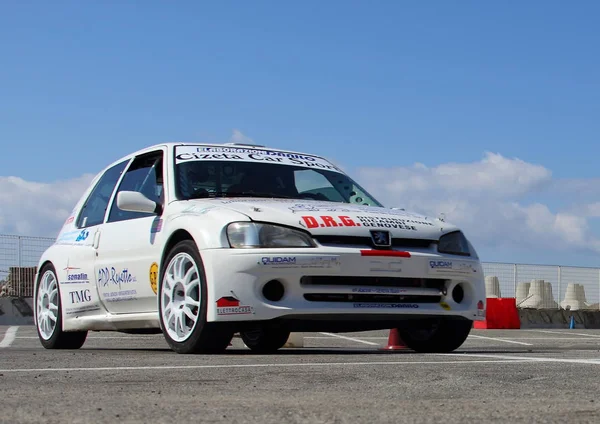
x,y
558,318
16,311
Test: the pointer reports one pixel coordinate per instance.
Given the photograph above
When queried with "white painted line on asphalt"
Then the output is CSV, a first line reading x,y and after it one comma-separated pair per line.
x,y
132,337
524,358
301,364
566,333
362,338
9,337
352,339
499,340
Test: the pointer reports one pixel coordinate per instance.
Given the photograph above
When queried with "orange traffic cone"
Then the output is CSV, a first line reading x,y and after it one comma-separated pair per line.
x,y
394,341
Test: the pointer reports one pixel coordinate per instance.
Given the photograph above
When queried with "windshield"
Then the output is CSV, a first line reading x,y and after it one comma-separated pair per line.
x,y
208,175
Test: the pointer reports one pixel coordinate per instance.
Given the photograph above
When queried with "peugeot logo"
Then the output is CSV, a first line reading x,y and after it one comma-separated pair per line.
x,y
381,238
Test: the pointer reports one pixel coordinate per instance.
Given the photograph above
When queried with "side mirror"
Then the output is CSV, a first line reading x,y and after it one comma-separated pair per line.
x,y
134,201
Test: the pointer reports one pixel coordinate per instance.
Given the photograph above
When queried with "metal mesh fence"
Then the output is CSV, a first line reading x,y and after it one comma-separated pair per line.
x,y
544,286
533,286
19,257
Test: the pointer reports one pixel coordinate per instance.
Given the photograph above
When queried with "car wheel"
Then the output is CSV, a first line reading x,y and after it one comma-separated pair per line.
x,y
183,304
48,314
444,336
265,340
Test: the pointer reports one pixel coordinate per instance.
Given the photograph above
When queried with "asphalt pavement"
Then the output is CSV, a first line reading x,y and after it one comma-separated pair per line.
x,y
520,376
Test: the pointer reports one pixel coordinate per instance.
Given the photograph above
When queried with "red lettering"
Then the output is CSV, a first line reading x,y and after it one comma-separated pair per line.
x,y
347,221
329,221
310,221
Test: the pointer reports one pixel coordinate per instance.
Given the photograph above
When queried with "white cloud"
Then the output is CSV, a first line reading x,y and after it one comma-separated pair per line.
x,y
38,209
238,137
489,200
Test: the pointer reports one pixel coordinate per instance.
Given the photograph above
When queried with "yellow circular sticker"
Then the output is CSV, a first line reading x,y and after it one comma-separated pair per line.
x,y
154,277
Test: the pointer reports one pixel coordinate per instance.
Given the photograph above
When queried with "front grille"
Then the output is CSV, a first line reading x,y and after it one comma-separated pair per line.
x,y
335,280
366,241
366,298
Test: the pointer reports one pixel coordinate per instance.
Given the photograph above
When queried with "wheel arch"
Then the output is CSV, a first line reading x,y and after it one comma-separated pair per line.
x,y
176,237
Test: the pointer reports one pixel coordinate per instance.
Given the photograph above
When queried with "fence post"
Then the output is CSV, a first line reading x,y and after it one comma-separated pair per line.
x,y
515,279
559,281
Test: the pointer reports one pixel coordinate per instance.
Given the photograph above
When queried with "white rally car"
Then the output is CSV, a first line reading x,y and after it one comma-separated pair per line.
x,y
202,241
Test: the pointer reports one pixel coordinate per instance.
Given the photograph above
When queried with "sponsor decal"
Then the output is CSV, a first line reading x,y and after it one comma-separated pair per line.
x,y
190,153
112,276
75,277
387,305
445,306
231,305
440,264
451,267
385,266
409,218
73,237
120,296
82,309
77,297
276,260
378,290
361,220
302,262
154,277
69,220
80,296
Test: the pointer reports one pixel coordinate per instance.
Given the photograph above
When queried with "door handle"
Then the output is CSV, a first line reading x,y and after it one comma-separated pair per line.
x,y
96,239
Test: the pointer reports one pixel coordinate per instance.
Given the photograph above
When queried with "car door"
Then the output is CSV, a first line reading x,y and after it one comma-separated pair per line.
x,y
77,274
128,251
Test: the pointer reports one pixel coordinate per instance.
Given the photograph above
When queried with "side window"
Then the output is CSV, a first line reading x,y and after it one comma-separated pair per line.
x,y
315,185
145,175
94,209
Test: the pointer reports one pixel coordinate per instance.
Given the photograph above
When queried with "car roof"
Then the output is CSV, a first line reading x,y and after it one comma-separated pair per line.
x,y
230,145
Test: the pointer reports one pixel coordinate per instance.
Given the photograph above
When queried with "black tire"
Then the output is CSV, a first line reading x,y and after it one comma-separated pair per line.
x,y
444,336
205,337
59,339
266,339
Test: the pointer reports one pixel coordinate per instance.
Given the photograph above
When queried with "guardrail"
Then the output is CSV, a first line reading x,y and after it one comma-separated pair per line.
x,y
533,286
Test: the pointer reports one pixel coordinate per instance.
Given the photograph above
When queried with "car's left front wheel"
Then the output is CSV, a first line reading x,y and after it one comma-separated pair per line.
x,y
48,314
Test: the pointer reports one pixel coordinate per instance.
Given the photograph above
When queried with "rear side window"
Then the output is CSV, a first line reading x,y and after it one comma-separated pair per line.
x,y
94,209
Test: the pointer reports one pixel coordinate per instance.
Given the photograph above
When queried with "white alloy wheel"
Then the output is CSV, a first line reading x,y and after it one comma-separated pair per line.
x,y
47,305
180,297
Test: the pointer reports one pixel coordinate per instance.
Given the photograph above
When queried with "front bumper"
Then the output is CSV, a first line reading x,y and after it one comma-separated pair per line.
x,y
336,282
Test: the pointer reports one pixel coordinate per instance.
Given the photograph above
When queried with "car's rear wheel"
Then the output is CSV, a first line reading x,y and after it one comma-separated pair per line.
x,y
441,336
265,339
183,304
48,314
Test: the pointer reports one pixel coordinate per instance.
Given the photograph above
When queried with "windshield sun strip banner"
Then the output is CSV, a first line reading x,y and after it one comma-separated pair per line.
x,y
201,153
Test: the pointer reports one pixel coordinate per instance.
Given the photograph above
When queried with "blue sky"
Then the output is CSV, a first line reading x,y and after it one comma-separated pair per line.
x,y
382,84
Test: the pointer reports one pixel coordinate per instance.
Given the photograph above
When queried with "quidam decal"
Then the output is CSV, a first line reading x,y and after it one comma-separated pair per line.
x,y
74,237
302,262
444,266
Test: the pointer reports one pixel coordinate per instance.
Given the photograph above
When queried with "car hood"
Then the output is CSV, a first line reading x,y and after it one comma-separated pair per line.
x,y
329,218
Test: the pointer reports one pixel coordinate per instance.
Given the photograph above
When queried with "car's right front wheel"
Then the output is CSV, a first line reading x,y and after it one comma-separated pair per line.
x,y
183,304
265,339
440,336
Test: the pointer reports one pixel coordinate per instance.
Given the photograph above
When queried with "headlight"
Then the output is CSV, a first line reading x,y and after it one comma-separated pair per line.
x,y
254,234
454,243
